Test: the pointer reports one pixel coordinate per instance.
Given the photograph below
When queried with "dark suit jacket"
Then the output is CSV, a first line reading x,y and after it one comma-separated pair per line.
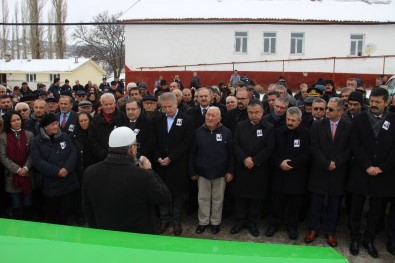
x,y
174,144
370,151
145,131
196,113
71,122
234,116
324,150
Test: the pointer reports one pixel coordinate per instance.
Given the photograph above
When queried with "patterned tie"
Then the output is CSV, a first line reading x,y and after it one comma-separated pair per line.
x,y
63,124
334,127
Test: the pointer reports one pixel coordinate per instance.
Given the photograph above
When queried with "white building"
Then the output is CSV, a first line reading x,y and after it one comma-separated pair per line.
x,y
299,39
34,71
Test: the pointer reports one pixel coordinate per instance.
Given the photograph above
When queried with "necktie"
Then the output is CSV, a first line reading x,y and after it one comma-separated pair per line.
x,y
334,126
63,124
204,112
132,124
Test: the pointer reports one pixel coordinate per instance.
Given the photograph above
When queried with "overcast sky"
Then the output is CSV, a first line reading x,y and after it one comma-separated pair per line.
x,y
84,10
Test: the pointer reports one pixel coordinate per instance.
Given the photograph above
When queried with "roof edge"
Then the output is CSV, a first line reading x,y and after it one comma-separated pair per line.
x,y
286,21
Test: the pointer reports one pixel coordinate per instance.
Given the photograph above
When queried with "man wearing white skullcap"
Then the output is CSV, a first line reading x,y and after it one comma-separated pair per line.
x,y
121,192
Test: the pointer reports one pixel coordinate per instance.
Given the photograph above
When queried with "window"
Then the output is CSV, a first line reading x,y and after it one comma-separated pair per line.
x,y
52,77
241,42
356,45
297,42
269,42
30,77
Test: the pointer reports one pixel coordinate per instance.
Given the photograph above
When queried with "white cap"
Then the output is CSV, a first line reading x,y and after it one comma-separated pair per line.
x,y
121,136
131,85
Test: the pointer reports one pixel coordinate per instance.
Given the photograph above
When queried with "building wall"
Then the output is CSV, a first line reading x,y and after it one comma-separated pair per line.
x,y
181,46
160,45
86,72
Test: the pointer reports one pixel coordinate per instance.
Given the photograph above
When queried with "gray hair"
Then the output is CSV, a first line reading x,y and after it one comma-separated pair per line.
x,y
216,109
107,96
168,96
205,88
319,100
345,89
295,111
22,104
279,86
283,100
340,105
3,88
230,97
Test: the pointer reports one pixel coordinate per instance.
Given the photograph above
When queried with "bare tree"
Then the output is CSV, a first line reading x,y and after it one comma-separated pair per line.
x,y
50,36
16,31
35,8
104,43
4,12
60,10
25,47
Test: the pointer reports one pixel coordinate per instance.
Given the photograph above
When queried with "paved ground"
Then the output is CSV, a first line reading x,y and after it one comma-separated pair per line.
x,y
281,237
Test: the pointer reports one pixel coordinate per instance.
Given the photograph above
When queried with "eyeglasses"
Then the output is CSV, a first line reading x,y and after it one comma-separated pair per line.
x,y
330,109
23,110
241,98
319,109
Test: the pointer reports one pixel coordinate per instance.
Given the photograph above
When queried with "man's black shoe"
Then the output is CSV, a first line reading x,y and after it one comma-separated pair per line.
x,y
200,229
236,228
215,229
271,230
293,233
354,248
253,230
372,251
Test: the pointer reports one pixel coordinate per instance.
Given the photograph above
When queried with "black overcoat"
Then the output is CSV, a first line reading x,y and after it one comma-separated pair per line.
x,y
295,146
256,141
370,151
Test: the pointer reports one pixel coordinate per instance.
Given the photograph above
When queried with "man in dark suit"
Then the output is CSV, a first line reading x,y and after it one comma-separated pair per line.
x,y
331,152
290,162
253,146
372,174
119,195
143,128
234,116
174,135
67,118
198,112
277,116
102,125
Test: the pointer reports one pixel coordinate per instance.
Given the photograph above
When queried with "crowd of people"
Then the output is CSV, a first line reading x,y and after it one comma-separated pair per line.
x,y
236,149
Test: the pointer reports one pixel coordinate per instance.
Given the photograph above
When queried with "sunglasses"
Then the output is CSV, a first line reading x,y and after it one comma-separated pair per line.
x,y
319,109
23,110
330,109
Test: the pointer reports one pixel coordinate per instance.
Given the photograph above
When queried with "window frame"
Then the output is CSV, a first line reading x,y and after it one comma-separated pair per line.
x,y
296,43
362,41
52,77
270,43
31,77
242,44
